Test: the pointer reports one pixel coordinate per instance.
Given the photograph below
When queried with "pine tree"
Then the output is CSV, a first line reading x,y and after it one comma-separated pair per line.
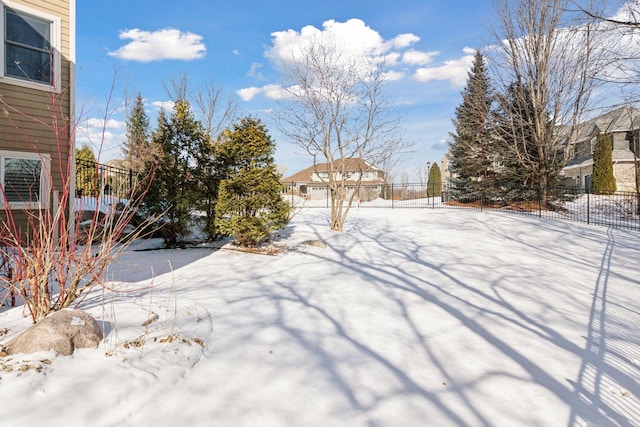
x,y
604,181
249,204
434,183
86,172
136,149
471,152
180,164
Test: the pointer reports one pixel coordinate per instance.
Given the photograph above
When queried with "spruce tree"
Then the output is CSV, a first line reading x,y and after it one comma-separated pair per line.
x,y
434,183
136,148
182,152
471,151
249,204
603,181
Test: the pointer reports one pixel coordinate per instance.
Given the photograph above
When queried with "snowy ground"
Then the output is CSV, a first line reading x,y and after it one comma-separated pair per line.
x,y
408,318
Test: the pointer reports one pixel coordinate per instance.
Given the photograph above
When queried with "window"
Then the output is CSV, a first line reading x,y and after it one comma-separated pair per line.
x,y
22,179
29,47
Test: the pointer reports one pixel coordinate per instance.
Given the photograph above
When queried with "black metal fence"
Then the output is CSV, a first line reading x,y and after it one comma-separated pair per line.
x,y
619,210
103,182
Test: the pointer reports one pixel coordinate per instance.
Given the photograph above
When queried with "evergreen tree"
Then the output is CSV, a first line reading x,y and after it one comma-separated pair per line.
x,y
514,135
86,172
471,151
526,168
249,204
137,149
603,181
434,183
182,154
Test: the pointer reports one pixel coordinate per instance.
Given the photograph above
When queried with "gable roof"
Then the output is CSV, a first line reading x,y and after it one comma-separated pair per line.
x,y
351,165
621,119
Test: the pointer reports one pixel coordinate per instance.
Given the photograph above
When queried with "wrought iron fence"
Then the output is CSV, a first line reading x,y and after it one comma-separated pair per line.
x,y
619,210
102,183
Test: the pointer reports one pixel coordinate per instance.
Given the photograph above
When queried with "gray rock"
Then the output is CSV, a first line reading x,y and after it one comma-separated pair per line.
x,y
62,331
316,243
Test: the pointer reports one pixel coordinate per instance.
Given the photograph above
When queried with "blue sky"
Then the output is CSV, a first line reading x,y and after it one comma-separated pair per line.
x,y
139,45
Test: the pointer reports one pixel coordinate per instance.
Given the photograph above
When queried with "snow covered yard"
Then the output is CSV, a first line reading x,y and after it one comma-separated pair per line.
x,y
408,318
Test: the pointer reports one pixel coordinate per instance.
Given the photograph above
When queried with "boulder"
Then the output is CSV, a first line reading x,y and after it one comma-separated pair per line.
x,y
62,331
316,243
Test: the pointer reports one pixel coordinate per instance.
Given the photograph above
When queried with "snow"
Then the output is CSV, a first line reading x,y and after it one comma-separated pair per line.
x,y
408,318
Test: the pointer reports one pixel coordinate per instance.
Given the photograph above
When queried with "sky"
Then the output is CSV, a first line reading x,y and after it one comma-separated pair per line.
x,y
138,46
410,317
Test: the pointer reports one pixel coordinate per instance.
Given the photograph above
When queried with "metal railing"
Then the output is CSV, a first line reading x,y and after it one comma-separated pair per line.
x,y
619,209
102,183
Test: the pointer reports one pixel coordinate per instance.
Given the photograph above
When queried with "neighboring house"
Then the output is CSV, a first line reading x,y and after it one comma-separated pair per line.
x,y
311,183
445,171
37,56
623,126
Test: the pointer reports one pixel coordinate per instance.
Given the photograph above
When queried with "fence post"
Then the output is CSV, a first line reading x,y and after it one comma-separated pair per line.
x,y
433,195
481,195
540,199
391,195
588,207
327,190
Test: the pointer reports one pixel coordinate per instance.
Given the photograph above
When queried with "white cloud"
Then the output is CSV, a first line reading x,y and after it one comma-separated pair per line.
x,y
271,91
105,138
443,144
392,76
357,40
168,43
404,40
416,57
236,52
276,92
247,94
160,105
254,71
455,71
102,124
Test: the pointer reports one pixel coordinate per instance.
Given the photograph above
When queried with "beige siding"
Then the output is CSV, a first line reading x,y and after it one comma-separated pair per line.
x,y
28,115
625,175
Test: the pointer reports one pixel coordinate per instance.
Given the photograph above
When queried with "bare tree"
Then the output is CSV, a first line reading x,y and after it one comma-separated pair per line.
x,y
547,65
338,113
215,116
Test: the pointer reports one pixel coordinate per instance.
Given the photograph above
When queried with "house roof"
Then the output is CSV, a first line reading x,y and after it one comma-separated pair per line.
x,y
621,119
351,165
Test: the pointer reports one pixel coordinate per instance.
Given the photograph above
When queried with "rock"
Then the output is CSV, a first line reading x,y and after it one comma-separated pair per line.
x,y
317,243
62,331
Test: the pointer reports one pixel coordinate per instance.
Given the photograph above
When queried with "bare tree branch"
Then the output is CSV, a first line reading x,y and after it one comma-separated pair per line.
x,y
338,113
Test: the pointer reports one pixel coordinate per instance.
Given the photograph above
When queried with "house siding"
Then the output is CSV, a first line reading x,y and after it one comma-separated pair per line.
x,y
27,121
617,124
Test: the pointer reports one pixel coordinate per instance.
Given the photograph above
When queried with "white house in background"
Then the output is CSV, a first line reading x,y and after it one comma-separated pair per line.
x,y
311,183
623,126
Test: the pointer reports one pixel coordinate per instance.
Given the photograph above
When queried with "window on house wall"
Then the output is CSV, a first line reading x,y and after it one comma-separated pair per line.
x,y
22,179
29,47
